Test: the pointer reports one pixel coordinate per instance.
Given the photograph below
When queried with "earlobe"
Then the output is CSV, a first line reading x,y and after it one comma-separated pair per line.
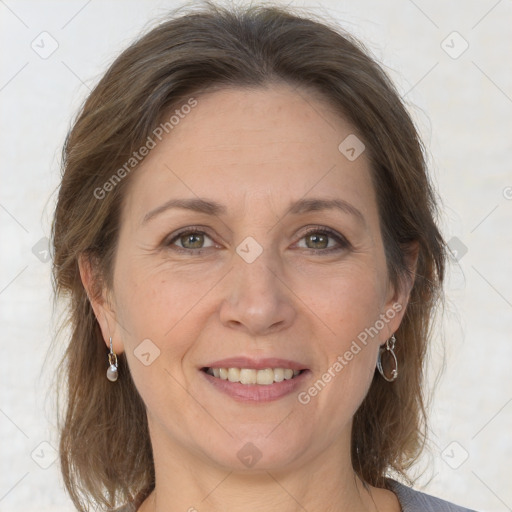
x,y
97,295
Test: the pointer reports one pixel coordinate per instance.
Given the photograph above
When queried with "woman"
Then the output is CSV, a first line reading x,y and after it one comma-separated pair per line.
x,y
245,231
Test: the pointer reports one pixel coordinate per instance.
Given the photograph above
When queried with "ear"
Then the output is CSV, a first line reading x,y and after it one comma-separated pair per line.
x,y
101,302
398,296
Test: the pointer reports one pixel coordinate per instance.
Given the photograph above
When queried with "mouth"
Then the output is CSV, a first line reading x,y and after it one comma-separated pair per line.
x,y
248,376
255,380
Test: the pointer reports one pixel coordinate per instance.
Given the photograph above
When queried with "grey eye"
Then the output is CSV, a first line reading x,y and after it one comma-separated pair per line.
x,y
192,240
317,241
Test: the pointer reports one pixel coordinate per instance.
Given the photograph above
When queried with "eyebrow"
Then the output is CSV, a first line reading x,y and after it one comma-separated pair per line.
x,y
194,204
317,204
296,208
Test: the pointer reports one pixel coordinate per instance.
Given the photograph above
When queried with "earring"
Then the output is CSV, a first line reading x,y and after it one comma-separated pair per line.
x,y
390,345
112,373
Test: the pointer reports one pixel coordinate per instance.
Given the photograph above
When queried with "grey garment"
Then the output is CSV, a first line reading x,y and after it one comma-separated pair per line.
x,y
416,501
410,501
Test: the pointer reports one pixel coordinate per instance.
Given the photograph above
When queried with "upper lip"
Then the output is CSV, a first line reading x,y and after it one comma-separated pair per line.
x,y
256,364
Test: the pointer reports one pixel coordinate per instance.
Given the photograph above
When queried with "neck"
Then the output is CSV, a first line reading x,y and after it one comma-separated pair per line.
x,y
327,483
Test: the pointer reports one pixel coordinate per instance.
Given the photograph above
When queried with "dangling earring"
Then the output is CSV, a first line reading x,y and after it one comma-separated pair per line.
x,y
112,373
390,345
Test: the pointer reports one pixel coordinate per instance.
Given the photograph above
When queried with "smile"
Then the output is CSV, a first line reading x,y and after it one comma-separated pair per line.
x,y
252,380
264,377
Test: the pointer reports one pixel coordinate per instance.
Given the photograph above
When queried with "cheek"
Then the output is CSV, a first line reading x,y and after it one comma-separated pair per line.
x,y
153,302
350,307
156,334
152,311
349,302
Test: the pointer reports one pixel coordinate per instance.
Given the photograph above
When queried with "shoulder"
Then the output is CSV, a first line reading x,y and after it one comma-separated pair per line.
x,y
416,501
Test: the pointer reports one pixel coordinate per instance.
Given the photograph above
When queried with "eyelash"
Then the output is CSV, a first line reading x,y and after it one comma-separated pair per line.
x,y
343,243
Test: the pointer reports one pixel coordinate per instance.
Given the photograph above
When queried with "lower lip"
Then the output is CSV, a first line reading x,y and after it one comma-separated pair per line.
x,y
257,392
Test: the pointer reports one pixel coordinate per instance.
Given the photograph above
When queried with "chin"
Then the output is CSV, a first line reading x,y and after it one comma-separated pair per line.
x,y
256,451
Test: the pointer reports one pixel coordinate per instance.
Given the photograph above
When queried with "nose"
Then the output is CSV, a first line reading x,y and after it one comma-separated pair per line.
x,y
257,300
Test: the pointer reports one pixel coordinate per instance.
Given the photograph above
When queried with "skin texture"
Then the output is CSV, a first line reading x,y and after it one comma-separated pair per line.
x,y
255,151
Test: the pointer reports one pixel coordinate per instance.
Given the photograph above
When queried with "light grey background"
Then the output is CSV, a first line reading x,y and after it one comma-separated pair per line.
x,y
462,103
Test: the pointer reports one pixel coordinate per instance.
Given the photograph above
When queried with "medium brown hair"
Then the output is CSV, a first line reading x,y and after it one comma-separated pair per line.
x,y
105,449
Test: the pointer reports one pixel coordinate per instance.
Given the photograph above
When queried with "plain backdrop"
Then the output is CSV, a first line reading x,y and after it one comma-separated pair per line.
x,y
451,62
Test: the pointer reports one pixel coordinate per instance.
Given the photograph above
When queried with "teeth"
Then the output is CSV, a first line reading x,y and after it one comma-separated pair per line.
x,y
234,374
250,376
279,374
264,377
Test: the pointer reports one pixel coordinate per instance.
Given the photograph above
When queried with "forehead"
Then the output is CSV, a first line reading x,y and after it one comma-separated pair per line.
x,y
272,144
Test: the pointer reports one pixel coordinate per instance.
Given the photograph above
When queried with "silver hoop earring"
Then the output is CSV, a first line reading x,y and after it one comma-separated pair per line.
x,y
390,345
112,372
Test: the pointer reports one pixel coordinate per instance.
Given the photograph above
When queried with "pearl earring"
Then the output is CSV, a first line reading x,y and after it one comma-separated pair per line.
x,y
112,373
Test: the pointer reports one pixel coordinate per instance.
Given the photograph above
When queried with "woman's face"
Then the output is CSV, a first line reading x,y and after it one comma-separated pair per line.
x,y
286,271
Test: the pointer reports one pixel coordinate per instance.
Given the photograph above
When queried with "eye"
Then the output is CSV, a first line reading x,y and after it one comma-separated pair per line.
x,y
320,239
190,239
324,240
